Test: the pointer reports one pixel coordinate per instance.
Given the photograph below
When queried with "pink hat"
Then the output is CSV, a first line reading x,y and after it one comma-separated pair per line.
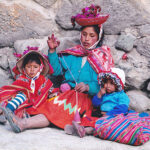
x,y
90,16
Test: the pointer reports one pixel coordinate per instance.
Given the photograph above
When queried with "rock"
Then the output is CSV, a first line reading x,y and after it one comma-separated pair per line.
x,y
123,14
144,30
12,60
65,42
63,17
136,68
5,78
143,46
21,45
4,61
148,87
46,3
138,101
7,64
18,21
125,42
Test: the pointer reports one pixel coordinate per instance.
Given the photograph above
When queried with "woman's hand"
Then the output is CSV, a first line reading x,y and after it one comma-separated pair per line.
x,y
82,87
52,43
101,92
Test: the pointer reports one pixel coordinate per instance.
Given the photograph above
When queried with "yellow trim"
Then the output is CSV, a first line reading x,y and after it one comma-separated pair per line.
x,y
51,99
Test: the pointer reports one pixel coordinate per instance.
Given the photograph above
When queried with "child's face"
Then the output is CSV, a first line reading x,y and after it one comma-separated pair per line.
x,y
32,68
110,86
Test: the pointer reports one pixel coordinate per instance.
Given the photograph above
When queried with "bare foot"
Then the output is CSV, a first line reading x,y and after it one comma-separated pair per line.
x,y
16,123
80,130
69,129
20,123
89,130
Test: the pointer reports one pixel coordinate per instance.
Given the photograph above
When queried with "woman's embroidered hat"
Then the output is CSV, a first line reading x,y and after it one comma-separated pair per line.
x,y
116,74
90,16
44,61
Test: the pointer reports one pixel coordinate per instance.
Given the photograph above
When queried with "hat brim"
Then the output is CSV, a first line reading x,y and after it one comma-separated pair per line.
x,y
46,68
92,21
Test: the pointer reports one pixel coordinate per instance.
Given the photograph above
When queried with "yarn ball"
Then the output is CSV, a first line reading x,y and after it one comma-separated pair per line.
x,y
65,87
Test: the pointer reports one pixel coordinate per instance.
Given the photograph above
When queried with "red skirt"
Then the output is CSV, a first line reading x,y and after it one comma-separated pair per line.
x,y
61,109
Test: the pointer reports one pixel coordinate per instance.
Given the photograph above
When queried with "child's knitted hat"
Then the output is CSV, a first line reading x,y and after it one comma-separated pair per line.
x,y
116,74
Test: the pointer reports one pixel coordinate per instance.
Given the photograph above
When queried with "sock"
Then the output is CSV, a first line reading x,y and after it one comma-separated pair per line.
x,y
16,102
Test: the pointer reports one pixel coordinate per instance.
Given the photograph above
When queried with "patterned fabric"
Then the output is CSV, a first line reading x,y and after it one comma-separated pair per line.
x,y
99,58
16,102
130,129
61,109
22,84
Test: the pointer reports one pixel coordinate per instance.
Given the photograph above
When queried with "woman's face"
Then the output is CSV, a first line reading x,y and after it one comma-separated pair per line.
x,y
88,37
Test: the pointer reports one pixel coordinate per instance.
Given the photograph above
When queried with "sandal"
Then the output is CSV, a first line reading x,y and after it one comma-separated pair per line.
x,y
80,131
69,129
10,117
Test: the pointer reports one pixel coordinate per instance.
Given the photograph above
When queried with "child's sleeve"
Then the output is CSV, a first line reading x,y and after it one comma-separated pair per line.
x,y
123,104
96,101
123,99
119,109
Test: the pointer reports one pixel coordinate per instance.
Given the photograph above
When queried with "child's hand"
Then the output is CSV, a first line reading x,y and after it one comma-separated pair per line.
x,y
103,113
52,43
101,92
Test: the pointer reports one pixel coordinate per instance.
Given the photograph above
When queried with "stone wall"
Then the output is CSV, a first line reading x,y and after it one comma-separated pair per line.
x,y
127,33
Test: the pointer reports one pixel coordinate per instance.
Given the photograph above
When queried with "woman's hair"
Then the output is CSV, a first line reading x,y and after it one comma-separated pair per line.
x,y
30,58
97,30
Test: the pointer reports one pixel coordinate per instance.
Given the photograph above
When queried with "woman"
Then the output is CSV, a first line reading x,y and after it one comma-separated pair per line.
x,y
80,66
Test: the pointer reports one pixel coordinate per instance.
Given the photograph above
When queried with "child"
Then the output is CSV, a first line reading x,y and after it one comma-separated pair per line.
x,y
111,98
31,88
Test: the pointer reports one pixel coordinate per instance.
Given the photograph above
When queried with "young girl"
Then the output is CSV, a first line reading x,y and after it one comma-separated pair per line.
x,y
111,99
30,90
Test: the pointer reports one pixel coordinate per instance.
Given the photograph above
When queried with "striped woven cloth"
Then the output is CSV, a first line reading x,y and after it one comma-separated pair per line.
x,y
130,129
